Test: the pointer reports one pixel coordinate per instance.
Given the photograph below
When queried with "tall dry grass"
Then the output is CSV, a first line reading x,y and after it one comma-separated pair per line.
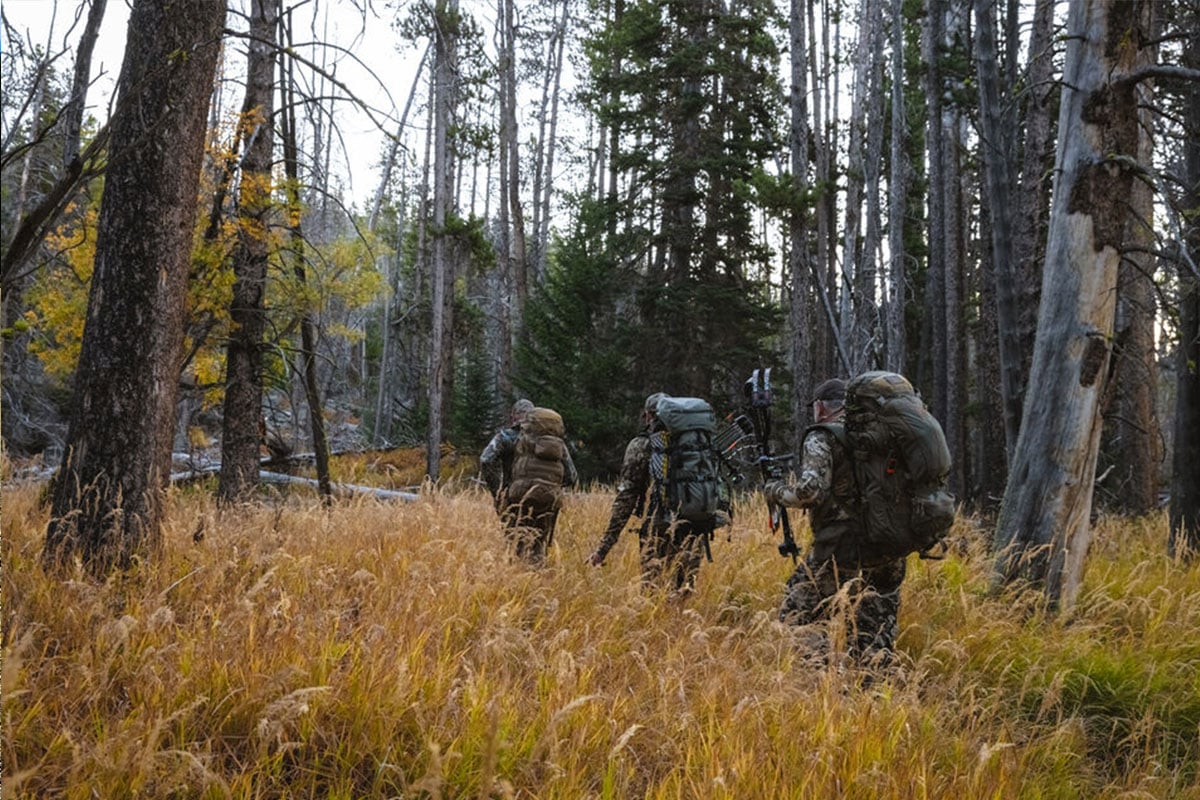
x,y
377,650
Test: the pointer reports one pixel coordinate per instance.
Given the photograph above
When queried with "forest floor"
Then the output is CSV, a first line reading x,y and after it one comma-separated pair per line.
x,y
393,649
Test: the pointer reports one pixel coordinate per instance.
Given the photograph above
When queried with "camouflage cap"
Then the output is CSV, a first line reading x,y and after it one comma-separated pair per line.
x,y
652,401
521,408
832,390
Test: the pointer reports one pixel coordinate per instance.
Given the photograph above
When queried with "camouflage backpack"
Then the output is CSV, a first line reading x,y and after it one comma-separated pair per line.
x,y
683,462
537,471
901,464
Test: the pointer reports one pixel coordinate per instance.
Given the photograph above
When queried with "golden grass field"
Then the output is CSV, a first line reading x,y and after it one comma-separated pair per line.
x,y
376,650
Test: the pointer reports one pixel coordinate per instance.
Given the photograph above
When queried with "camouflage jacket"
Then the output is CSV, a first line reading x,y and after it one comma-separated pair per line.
x,y
495,463
825,485
631,491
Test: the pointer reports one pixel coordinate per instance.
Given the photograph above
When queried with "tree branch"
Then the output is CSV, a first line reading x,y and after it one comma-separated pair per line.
x,y
1159,71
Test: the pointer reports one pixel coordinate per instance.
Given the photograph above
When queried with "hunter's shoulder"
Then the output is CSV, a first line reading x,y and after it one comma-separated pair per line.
x,y
821,439
638,448
505,438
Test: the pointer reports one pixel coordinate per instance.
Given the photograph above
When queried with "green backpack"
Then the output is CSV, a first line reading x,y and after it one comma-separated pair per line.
x,y
683,462
901,466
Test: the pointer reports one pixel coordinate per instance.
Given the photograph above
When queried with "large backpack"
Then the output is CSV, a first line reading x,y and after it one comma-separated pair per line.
x,y
901,466
683,462
537,470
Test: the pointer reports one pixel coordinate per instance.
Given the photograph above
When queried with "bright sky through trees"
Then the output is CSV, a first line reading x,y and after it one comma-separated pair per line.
x,y
360,47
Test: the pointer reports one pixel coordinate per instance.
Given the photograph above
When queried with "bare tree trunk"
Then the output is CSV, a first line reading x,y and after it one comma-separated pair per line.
x,y
953,401
73,111
506,330
989,461
1044,530
933,345
540,183
898,186
800,265
397,143
614,130
1185,482
551,143
1032,200
858,296
308,336
509,139
383,418
107,497
868,319
824,337
998,153
442,287
241,433
39,98
1138,441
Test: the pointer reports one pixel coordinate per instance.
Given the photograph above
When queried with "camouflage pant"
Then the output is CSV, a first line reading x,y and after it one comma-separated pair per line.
x,y
866,600
529,532
670,556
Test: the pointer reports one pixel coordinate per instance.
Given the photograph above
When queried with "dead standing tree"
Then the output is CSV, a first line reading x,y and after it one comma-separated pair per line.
x,y
1044,529
107,500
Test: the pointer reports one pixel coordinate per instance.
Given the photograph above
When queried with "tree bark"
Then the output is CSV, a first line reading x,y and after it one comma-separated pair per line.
x,y
1185,482
998,152
442,268
800,266
308,333
73,112
509,140
107,499
951,339
1032,200
1044,531
869,320
242,422
933,345
899,181
1138,442
550,145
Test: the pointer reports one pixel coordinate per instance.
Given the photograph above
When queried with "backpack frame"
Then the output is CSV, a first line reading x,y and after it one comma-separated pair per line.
x,y
685,465
901,466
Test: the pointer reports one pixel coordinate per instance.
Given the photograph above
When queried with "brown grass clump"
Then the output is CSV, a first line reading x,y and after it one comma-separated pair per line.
x,y
400,468
394,650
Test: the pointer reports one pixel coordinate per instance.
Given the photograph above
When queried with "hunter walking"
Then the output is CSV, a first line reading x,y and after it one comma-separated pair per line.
x,y
835,561
681,508
525,466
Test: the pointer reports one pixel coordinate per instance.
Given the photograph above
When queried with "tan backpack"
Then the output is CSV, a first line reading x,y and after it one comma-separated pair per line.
x,y
537,471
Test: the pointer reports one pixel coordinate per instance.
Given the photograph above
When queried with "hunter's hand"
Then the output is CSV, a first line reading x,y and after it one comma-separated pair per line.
x,y
595,560
773,491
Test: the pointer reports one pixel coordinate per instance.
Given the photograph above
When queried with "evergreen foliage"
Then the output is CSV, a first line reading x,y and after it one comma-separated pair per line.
x,y
474,413
577,352
695,102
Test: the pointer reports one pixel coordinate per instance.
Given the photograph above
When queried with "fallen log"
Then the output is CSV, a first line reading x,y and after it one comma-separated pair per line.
x,y
341,489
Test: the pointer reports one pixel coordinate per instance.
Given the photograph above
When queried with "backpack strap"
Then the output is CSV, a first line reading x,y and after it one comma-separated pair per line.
x,y
836,429
658,488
